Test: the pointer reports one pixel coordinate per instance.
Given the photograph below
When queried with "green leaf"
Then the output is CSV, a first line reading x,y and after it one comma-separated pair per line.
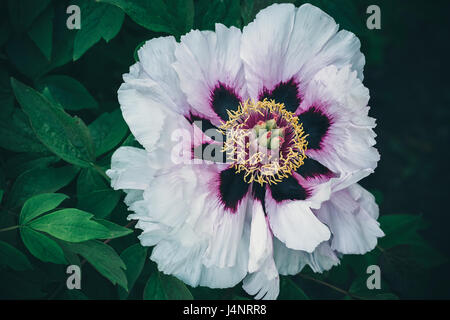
x,y
71,225
2,192
99,21
130,141
360,291
5,31
107,131
208,13
6,94
247,12
63,38
427,256
67,137
19,286
394,223
407,267
94,195
66,92
400,229
13,257
25,55
41,32
289,290
104,259
154,289
134,258
22,13
205,293
115,231
164,287
39,204
38,181
74,295
170,16
17,135
410,258
18,164
41,246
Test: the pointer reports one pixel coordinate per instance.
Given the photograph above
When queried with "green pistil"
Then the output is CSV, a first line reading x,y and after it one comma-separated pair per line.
x,y
268,134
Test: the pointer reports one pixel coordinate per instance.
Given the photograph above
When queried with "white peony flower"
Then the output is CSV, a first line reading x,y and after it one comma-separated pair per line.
x,y
290,84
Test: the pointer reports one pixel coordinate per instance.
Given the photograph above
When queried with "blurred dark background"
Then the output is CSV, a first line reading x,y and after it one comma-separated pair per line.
x,y
407,74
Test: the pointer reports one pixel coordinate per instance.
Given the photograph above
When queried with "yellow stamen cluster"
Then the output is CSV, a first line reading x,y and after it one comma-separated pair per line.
x,y
262,166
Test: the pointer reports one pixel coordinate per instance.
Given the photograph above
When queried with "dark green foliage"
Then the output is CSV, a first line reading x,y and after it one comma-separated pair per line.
x,y
66,92
104,259
68,137
99,21
40,204
41,246
289,290
134,258
107,131
208,13
39,180
41,32
94,194
169,16
13,258
60,122
16,134
163,287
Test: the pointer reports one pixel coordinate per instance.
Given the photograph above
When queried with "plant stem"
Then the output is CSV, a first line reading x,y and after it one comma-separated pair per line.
x,y
100,171
9,228
329,285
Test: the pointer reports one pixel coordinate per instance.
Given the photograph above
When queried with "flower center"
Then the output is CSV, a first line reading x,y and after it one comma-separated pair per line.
x,y
264,141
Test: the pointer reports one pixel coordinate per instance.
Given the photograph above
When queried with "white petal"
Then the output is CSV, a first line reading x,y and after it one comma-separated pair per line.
x,y
322,259
260,238
150,94
142,109
264,43
133,196
291,262
205,58
347,148
184,262
130,169
264,283
169,195
156,57
350,216
286,43
183,251
295,224
195,238
153,233
365,199
228,228
263,280
341,50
